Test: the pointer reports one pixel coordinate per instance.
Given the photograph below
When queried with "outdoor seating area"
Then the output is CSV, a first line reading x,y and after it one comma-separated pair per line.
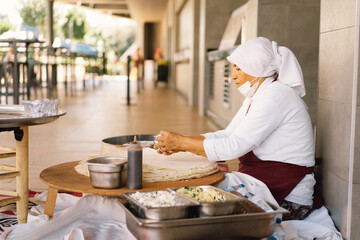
x,y
79,119
179,119
39,73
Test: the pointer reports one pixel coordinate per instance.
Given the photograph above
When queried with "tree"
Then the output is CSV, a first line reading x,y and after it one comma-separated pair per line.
x,y
116,38
75,25
33,13
5,25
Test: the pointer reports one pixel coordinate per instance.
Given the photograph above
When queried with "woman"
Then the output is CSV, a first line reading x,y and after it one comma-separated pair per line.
x,y
139,64
271,134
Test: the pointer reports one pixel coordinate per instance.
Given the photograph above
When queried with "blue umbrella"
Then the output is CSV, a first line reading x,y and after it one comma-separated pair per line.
x,y
24,32
80,48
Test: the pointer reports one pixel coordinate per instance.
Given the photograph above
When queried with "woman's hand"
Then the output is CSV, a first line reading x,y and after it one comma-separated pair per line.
x,y
169,142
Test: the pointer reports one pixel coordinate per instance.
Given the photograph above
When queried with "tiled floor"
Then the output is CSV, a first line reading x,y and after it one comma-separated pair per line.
x,y
97,113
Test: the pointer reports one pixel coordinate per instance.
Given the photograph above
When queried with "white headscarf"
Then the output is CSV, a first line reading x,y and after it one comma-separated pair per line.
x,y
259,57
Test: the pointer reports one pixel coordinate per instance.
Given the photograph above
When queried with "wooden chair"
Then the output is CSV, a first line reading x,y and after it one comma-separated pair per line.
x,y
20,172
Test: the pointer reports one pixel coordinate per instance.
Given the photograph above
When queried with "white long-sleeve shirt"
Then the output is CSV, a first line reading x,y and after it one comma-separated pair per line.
x,y
277,127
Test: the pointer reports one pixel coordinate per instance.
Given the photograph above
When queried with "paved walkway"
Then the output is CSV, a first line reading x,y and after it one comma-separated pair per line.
x,y
97,113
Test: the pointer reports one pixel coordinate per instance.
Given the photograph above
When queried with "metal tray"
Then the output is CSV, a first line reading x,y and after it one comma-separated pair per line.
x,y
15,116
216,208
163,213
144,140
250,223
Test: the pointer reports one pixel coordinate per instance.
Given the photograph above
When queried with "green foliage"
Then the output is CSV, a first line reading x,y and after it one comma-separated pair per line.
x,y
5,25
58,20
115,38
75,25
33,13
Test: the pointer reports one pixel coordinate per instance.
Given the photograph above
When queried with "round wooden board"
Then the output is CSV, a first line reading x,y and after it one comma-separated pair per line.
x,y
65,177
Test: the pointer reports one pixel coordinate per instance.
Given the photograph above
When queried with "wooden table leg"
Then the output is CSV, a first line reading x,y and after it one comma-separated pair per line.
x,y
22,182
51,201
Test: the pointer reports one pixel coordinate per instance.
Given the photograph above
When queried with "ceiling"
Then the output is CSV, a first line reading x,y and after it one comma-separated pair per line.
x,y
139,10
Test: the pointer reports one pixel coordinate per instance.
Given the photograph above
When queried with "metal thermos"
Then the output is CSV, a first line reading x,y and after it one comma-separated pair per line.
x,y
134,165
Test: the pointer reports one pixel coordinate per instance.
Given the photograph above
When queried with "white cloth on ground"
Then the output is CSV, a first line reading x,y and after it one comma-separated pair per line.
x,y
277,128
100,218
318,225
91,217
253,185
63,201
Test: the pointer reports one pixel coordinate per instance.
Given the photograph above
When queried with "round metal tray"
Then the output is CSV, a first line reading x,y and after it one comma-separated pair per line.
x,y
144,140
15,116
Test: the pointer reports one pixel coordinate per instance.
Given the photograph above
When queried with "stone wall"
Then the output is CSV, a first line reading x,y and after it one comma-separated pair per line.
x,y
337,120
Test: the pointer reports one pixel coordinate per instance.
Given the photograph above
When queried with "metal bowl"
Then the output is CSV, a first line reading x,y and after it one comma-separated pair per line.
x,y
107,172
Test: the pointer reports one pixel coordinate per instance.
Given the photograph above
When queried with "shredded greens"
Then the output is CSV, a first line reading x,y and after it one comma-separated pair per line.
x,y
202,194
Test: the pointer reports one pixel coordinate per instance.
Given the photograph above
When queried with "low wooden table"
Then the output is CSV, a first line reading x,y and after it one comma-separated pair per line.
x,y
64,177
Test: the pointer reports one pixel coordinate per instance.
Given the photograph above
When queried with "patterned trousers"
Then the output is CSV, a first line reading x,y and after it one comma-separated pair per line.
x,y
296,211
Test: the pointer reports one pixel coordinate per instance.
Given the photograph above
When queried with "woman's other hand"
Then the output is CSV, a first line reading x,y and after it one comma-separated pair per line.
x,y
169,142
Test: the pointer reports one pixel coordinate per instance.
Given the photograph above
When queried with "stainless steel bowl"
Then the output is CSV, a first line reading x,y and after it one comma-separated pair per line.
x,y
108,172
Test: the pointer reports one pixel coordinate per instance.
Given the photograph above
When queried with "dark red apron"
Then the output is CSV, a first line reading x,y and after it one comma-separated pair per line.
x,y
281,178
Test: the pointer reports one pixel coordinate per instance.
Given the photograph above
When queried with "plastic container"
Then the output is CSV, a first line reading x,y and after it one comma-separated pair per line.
x,y
41,107
243,190
279,233
240,189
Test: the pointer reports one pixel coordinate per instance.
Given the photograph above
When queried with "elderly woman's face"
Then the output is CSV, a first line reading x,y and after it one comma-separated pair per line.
x,y
240,77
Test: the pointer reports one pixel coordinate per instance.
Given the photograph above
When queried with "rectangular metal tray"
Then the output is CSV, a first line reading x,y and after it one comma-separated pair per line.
x,y
216,208
163,213
249,222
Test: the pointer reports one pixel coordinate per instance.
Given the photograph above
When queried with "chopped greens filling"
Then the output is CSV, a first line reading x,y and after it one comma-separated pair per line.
x,y
202,194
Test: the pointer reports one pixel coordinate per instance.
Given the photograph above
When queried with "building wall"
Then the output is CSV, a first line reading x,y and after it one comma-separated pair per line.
x,y
183,70
169,51
251,20
295,24
338,124
215,108
186,15
184,58
213,21
185,31
140,35
220,112
185,26
165,33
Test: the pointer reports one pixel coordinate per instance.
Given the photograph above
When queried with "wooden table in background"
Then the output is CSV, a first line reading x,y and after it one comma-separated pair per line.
x,y
14,118
65,177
